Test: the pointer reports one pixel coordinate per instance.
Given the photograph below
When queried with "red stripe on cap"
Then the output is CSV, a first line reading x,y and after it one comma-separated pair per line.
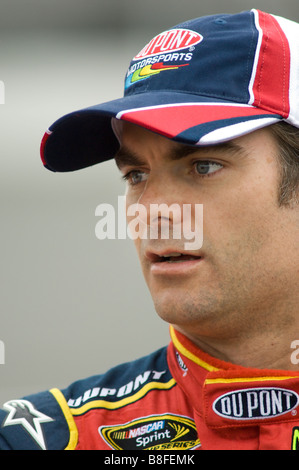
x,y
171,120
272,79
42,146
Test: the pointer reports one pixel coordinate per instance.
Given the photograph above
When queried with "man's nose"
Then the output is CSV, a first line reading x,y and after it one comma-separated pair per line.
x,y
159,207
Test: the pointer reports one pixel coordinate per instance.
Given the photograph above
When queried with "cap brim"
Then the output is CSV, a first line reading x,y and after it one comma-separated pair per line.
x,y
86,137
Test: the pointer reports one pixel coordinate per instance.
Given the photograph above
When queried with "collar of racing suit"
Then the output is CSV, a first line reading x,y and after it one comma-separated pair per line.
x,y
236,407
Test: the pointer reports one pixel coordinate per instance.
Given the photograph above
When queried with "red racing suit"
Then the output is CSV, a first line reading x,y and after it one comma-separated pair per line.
x,y
177,398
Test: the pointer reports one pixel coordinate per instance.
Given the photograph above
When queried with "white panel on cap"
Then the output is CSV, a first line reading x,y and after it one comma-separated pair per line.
x,y
256,57
236,130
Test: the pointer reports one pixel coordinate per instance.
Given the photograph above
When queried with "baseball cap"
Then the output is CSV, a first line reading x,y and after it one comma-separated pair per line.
x,y
202,82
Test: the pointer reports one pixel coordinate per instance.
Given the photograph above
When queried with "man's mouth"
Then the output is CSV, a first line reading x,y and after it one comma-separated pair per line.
x,y
172,262
171,257
176,258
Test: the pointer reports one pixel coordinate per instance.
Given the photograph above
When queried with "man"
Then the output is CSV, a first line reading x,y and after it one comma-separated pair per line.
x,y
209,118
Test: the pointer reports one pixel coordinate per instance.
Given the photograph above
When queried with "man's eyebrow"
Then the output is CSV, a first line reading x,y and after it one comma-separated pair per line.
x,y
127,157
229,147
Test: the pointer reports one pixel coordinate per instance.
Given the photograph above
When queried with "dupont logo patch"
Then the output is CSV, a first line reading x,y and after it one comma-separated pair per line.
x,y
256,403
169,51
170,41
162,432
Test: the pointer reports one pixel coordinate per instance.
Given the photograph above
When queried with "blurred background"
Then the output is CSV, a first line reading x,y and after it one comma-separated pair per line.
x,y
71,305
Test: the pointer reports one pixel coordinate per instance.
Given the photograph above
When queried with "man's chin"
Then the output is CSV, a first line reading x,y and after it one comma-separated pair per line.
x,y
174,311
202,313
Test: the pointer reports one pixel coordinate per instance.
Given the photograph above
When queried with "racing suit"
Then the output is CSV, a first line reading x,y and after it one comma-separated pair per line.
x,y
177,398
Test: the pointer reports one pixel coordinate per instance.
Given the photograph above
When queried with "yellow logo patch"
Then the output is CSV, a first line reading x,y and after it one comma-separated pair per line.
x,y
159,432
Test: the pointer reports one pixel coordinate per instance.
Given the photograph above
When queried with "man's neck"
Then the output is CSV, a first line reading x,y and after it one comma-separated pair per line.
x,y
278,351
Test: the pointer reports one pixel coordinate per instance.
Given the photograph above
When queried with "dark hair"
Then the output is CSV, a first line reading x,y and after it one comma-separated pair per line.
x,y
287,137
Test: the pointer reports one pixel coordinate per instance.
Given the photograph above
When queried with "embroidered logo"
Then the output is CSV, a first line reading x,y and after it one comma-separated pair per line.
x,y
170,50
181,363
159,432
295,438
256,403
23,413
172,40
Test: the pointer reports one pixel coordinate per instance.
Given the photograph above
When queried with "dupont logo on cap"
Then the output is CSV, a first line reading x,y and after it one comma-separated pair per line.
x,y
170,41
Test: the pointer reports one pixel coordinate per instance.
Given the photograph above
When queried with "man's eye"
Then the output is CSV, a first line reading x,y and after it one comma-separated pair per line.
x,y
135,177
206,168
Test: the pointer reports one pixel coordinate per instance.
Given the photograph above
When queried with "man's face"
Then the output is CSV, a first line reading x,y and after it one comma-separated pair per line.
x,y
247,266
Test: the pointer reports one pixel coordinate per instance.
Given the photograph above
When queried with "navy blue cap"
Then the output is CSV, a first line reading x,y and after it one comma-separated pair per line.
x,y
202,82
